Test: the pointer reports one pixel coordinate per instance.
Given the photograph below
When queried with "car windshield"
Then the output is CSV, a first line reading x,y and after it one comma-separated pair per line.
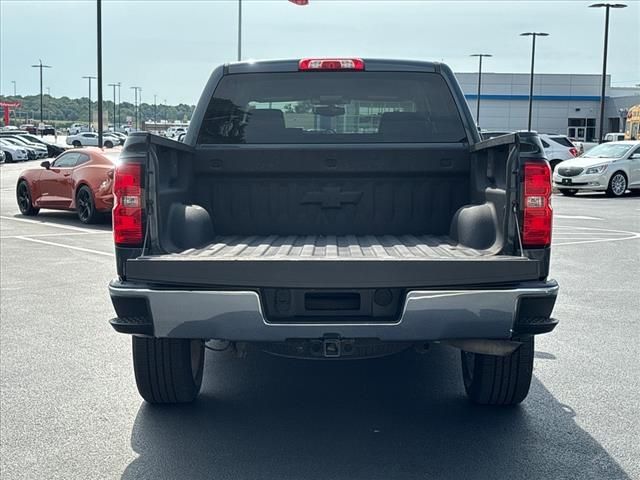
x,y
609,150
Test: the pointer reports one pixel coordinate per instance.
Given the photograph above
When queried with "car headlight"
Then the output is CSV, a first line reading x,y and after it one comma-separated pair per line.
x,y
597,169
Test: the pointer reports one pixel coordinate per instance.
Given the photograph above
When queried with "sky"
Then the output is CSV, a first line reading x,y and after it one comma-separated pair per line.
x,y
170,47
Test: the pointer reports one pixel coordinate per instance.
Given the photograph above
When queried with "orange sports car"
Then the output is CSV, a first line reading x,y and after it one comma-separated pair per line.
x,y
79,179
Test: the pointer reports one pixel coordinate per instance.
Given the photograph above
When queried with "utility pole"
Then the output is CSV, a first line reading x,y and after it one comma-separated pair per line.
x,y
155,110
136,89
114,85
89,77
14,87
41,66
239,30
607,7
480,56
533,57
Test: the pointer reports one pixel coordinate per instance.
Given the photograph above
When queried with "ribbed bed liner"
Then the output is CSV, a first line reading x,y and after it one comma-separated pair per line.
x,y
318,247
329,261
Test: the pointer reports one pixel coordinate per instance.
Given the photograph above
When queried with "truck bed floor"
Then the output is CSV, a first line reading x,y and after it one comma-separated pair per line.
x,y
319,247
314,261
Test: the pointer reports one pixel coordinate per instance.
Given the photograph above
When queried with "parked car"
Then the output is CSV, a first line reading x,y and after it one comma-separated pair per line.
x,y
53,149
115,139
28,127
613,167
32,152
79,180
558,148
89,139
173,132
76,128
13,153
614,137
333,243
47,130
39,149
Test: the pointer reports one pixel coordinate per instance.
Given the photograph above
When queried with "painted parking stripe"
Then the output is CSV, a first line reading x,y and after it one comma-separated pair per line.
x,y
47,224
576,217
70,247
66,234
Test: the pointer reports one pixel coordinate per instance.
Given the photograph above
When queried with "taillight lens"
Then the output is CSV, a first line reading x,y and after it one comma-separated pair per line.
x,y
573,151
128,218
537,220
331,64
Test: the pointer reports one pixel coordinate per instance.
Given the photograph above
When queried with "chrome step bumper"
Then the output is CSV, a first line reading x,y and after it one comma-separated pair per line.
x,y
427,315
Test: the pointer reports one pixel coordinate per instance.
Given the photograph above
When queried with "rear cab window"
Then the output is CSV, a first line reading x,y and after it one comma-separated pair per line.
x,y
332,107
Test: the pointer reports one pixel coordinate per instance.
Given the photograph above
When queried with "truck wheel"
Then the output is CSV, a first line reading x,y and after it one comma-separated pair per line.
x,y
168,370
493,380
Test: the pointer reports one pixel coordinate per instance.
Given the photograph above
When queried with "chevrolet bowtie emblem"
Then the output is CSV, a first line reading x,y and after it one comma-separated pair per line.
x,y
331,197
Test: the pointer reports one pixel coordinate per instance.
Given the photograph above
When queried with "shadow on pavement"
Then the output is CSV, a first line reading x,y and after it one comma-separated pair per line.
x,y
394,418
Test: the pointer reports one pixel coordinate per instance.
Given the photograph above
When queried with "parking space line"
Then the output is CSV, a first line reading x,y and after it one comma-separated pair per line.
x,y
66,234
577,217
40,222
70,247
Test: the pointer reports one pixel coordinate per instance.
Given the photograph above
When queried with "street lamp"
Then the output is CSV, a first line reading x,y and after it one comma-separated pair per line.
x,y
135,104
41,66
89,77
480,56
533,56
114,85
607,7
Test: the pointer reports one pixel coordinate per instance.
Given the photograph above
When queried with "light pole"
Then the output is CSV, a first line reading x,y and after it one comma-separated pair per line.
x,y
119,102
607,7
135,104
41,66
480,57
114,85
14,87
155,111
89,77
99,44
533,57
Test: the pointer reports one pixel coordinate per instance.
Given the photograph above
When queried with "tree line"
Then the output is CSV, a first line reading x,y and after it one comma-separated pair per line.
x,y
63,111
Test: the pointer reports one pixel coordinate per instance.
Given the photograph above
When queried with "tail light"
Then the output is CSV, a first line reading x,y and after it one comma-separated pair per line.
x,y
573,151
331,64
537,212
128,218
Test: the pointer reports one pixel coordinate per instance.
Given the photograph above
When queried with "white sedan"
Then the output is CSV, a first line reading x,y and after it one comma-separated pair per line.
x,y
613,167
89,139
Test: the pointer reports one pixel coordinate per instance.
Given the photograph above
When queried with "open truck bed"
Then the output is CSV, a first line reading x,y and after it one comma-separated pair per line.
x,y
343,261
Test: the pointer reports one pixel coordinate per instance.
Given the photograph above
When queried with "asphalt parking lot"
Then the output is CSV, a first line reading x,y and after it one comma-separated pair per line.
x,y
69,406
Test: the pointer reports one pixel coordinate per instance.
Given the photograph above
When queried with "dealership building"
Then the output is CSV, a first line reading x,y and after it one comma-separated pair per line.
x,y
562,103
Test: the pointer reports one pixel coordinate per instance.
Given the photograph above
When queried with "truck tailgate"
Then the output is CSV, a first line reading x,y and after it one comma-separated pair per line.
x,y
328,261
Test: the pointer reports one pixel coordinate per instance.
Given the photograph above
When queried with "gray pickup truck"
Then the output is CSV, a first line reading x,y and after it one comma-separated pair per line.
x,y
333,209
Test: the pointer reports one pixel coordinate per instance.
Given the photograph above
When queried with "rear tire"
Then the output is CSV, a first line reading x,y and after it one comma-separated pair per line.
x,y
168,370
493,380
569,192
108,144
85,206
25,202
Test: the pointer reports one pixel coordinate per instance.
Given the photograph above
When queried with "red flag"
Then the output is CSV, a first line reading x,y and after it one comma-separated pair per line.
x,y
300,2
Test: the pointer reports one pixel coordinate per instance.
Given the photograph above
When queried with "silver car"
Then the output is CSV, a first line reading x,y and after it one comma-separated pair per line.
x,y
612,167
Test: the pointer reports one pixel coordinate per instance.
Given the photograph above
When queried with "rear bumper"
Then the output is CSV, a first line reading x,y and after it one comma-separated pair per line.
x,y
427,315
